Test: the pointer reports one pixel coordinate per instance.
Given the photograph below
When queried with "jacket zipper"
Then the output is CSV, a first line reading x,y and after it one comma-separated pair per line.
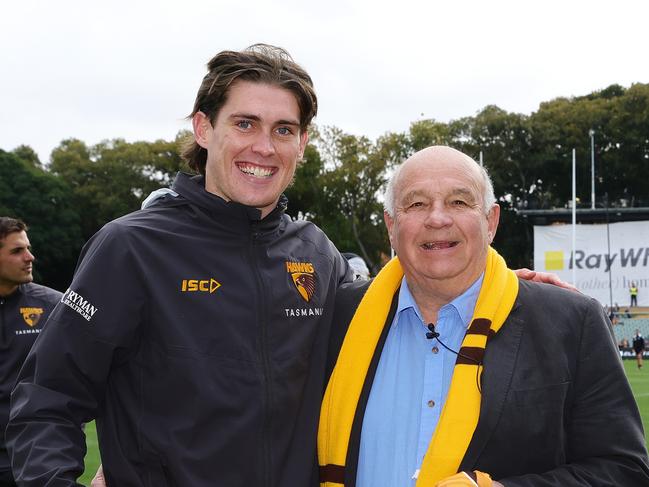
x,y
265,361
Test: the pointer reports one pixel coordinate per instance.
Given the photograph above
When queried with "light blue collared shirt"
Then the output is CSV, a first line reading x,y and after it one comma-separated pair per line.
x,y
409,390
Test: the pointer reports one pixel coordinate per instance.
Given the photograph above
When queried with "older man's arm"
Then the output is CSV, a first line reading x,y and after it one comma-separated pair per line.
x,y
605,440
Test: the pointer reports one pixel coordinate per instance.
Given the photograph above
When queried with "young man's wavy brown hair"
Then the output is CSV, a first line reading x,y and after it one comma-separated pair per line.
x,y
260,63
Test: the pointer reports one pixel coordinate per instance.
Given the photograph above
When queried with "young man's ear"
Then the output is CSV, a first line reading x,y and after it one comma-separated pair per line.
x,y
202,129
304,139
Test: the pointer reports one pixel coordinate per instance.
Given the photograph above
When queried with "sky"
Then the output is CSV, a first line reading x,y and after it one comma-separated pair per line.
x,y
131,69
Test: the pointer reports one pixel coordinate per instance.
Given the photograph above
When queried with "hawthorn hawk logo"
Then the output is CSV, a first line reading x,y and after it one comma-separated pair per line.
x,y
303,276
31,315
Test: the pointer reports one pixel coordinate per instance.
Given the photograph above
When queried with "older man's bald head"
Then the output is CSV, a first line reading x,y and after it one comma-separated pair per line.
x,y
436,154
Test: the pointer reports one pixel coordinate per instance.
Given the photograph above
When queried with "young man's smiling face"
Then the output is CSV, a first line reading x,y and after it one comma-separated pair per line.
x,y
254,145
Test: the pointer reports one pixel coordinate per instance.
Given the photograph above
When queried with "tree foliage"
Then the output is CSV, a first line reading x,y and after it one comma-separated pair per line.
x,y
44,202
338,188
112,178
340,182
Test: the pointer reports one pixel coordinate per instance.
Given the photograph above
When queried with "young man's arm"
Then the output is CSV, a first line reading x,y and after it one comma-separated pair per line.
x,y
546,277
63,381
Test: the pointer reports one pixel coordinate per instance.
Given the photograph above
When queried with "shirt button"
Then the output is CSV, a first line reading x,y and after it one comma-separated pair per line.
x,y
435,350
431,403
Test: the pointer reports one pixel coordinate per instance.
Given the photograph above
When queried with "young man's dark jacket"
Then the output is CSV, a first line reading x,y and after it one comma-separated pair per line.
x,y
196,334
22,316
556,407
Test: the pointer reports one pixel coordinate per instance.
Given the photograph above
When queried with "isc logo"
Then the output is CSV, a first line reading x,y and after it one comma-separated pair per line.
x,y
200,285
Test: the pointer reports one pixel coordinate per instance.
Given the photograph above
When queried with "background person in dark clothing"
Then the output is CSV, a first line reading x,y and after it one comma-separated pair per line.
x,y
24,307
638,347
358,265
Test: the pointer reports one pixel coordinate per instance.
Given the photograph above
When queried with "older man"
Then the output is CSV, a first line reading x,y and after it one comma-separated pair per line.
x,y
451,364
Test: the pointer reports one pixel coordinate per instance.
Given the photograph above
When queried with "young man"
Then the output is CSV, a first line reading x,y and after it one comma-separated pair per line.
x,y
24,307
453,371
195,330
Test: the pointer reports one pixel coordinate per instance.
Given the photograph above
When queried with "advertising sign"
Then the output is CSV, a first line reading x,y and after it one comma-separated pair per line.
x,y
599,269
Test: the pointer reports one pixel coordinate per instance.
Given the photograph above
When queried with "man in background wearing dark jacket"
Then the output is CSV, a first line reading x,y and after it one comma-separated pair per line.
x,y
24,307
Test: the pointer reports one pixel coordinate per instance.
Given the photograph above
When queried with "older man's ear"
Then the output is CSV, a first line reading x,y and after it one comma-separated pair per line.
x,y
493,219
528,275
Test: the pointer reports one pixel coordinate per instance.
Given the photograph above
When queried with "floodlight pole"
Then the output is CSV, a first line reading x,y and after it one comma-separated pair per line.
x,y
574,215
591,132
608,256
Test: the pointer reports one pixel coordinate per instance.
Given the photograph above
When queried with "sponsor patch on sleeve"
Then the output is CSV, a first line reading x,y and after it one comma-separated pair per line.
x,y
79,304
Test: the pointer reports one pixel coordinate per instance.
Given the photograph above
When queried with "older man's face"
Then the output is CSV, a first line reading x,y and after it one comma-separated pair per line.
x,y
440,229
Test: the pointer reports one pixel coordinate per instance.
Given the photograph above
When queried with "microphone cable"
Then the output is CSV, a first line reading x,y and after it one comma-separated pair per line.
x,y
434,334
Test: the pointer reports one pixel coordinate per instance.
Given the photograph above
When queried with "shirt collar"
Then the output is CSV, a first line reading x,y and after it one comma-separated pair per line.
x,y
464,304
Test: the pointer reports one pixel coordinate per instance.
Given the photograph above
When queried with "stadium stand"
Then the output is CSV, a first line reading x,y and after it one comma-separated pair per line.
x,y
626,328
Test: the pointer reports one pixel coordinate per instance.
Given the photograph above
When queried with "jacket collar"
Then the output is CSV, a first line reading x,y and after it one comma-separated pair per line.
x,y
238,216
15,294
503,348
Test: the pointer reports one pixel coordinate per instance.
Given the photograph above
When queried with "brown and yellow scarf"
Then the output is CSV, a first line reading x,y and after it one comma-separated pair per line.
x,y
460,414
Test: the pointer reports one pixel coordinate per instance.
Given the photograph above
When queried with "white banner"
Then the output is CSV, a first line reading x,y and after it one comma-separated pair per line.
x,y
597,271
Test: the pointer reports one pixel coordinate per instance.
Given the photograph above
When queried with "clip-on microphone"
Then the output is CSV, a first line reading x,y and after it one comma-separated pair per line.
x,y
432,333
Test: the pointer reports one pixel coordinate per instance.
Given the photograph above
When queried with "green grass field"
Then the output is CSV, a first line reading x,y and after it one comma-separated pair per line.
x,y
639,380
92,459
